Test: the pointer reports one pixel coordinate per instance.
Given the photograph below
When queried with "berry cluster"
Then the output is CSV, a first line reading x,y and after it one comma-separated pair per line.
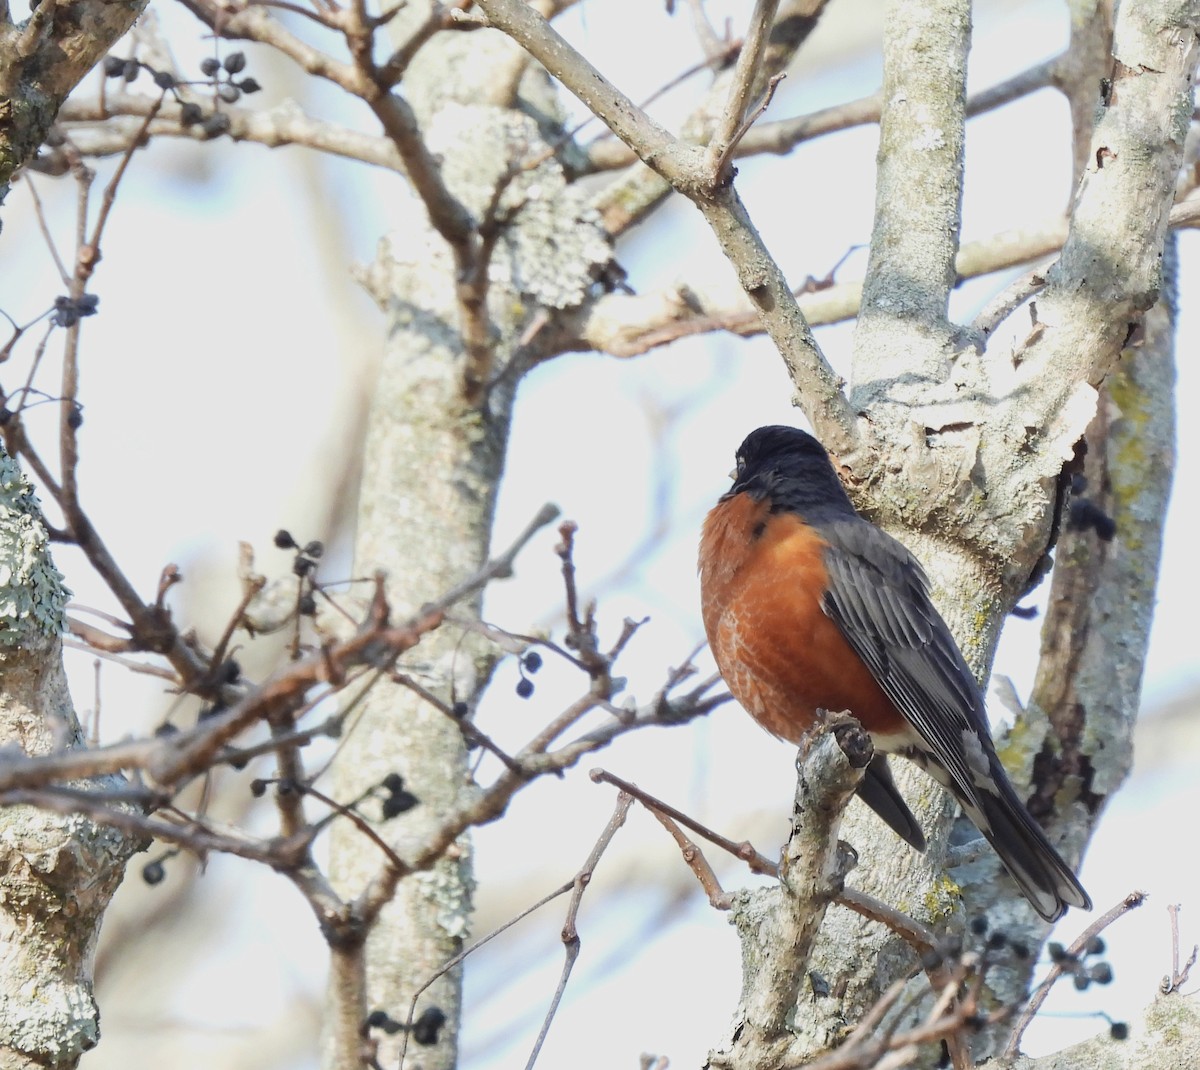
x,y
221,75
529,664
424,1030
304,565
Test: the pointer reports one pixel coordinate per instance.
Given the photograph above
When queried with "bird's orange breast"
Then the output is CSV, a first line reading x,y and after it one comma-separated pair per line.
x,y
762,578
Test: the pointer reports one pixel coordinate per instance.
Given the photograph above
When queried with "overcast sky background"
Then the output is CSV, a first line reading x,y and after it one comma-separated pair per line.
x,y
221,380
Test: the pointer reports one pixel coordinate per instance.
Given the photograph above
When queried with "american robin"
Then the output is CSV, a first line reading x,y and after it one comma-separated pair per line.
x,y
808,606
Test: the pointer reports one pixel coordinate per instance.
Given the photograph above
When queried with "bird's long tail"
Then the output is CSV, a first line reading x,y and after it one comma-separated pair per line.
x,y
878,790
1040,872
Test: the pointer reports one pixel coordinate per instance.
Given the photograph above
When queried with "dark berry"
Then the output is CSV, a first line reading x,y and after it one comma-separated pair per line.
x,y
425,1029
248,85
532,661
979,925
209,66
1095,946
190,114
215,125
398,802
1101,973
524,688
393,782
460,710
1056,951
314,549
130,71
164,79
1119,1030
154,872
235,62
284,540
306,605
114,66
258,788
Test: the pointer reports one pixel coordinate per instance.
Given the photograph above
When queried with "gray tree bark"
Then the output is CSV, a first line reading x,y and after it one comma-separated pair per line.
x,y
57,873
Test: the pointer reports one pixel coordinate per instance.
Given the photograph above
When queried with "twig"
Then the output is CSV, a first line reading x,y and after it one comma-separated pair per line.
x,y
449,964
696,862
498,567
1130,902
758,863
361,823
710,41
1177,978
920,937
734,121
570,932
1010,299
89,255
40,212
473,734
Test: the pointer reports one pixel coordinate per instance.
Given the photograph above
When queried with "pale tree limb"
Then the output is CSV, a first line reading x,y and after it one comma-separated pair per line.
x,y
632,197
683,166
1166,1037
746,82
626,325
777,926
782,135
904,338
1109,272
59,871
99,131
43,59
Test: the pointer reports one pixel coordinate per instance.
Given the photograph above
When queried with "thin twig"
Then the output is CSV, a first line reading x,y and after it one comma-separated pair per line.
x,y
1130,902
449,964
758,863
570,931
40,213
696,862
1178,977
731,125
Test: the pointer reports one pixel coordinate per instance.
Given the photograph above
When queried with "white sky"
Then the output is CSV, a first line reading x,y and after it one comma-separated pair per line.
x,y
216,380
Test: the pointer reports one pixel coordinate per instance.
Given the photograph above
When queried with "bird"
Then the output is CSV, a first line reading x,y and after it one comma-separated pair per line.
x,y
809,606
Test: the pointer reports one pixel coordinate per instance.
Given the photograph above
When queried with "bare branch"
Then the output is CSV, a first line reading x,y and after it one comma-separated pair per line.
x,y
746,78
1130,902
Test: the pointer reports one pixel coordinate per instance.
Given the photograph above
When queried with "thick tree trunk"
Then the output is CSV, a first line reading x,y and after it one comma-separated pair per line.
x,y
434,455
57,873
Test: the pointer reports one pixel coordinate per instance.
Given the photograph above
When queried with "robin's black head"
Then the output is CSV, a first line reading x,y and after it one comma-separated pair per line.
x,y
791,468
